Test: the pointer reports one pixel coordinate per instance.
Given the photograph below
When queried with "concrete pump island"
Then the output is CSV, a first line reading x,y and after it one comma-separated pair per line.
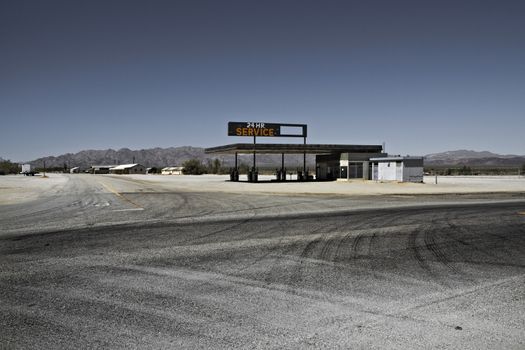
x,y
375,258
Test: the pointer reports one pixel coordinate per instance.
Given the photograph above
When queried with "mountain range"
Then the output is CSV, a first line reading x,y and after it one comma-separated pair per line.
x,y
160,157
174,156
473,158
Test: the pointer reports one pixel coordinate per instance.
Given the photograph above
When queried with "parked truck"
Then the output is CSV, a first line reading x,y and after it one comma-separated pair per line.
x,y
26,170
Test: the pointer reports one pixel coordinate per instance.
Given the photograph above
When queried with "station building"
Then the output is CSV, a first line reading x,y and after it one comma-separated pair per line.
x,y
333,161
329,157
402,169
351,164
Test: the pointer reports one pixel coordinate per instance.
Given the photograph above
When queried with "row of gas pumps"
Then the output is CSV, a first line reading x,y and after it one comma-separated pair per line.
x,y
281,175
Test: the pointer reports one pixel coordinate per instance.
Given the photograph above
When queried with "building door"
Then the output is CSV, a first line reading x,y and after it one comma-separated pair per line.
x,y
399,171
344,172
356,170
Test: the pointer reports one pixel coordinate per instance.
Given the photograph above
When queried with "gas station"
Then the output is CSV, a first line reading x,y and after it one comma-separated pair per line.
x,y
327,155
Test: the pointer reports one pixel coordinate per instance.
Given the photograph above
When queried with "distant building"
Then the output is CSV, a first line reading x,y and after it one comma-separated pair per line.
x,y
74,170
128,169
101,169
172,170
402,169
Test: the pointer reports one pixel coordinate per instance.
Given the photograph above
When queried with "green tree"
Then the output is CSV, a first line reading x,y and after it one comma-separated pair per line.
x,y
6,167
216,166
193,167
213,166
465,170
243,168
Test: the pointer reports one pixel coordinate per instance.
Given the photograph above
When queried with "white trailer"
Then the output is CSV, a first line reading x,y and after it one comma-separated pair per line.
x,y
26,170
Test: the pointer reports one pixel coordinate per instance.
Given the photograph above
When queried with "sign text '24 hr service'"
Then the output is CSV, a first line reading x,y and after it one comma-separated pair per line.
x,y
266,129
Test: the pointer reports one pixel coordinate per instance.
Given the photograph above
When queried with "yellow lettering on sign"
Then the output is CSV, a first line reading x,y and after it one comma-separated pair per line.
x,y
254,131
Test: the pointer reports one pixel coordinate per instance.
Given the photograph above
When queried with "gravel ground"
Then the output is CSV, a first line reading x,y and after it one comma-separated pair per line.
x,y
19,188
138,262
445,185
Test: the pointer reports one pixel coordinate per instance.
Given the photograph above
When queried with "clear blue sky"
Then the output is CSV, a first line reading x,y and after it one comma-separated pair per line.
x,y
422,76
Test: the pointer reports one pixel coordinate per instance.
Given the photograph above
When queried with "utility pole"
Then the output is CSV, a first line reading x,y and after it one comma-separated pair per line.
x,y
305,134
254,146
44,168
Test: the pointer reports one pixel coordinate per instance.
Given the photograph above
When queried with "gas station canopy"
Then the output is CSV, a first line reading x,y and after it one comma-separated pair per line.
x,y
260,129
287,148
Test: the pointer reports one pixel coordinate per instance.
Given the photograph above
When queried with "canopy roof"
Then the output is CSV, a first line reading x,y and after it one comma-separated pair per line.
x,y
288,148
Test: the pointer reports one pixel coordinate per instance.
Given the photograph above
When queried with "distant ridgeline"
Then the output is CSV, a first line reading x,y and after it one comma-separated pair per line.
x,y
464,162
158,157
461,162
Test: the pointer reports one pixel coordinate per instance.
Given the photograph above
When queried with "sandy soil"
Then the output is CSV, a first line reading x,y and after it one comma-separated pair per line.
x,y
445,185
20,189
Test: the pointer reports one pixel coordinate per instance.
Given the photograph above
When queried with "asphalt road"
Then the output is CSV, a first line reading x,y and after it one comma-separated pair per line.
x,y
107,262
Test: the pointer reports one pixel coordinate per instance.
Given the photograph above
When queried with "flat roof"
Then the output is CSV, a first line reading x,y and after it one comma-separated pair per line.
x,y
289,148
392,158
102,166
124,166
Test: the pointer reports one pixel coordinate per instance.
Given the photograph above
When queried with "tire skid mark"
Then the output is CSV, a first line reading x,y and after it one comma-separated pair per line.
x,y
355,243
332,247
215,232
416,251
306,251
261,258
342,246
384,220
340,250
250,233
371,243
435,249
472,244
426,233
233,226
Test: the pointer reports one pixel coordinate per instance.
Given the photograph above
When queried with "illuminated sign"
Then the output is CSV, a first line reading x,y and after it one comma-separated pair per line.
x,y
258,129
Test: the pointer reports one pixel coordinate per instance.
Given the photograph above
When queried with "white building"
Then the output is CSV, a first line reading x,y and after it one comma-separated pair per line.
x,y
172,170
402,169
128,169
101,169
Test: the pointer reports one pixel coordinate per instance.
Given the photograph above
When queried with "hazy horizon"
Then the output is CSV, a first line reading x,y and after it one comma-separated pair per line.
x,y
141,149
424,77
